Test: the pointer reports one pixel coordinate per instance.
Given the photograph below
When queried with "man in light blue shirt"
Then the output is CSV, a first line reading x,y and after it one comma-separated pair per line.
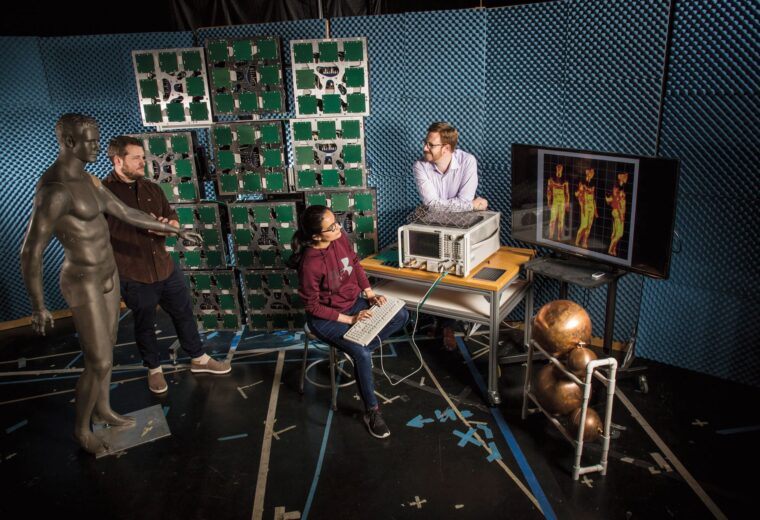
x,y
447,178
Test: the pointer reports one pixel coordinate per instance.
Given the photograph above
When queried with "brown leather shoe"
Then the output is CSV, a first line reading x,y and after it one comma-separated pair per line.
x,y
212,366
157,383
449,339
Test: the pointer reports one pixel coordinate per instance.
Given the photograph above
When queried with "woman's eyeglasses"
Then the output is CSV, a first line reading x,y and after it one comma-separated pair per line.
x,y
332,227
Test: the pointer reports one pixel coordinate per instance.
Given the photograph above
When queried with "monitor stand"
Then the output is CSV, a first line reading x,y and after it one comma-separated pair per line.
x,y
586,274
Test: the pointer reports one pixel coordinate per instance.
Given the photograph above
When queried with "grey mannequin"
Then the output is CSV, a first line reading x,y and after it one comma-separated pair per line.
x,y
70,204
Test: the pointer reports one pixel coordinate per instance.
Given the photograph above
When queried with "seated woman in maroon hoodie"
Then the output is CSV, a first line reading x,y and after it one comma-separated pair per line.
x,y
331,281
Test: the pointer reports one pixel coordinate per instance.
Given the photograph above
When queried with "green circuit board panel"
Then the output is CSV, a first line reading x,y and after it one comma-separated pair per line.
x,y
261,233
356,211
272,301
170,162
329,154
205,220
246,75
215,299
172,87
330,77
249,158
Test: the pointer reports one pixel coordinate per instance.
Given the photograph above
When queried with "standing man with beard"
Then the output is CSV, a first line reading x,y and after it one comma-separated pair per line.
x,y
71,204
146,270
447,179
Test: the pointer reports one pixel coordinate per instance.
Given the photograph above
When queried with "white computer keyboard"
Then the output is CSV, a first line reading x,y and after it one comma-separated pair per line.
x,y
364,332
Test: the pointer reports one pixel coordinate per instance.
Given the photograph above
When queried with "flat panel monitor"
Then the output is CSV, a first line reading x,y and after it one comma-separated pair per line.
x,y
609,208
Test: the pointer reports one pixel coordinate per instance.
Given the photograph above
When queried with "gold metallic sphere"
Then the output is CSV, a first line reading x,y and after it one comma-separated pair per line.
x,y
577,359
560,326
556,394
593,427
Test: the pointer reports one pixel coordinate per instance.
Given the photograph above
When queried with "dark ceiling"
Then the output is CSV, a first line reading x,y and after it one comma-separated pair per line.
x,y
21,18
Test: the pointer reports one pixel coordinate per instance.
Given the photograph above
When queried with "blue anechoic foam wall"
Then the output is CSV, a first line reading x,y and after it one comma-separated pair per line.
x,y
25,152
525,62
387,136
417,77
611,96
707,316
43,78
615,55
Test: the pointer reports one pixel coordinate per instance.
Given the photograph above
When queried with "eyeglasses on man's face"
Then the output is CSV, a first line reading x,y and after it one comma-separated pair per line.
x,y
332,227
430,145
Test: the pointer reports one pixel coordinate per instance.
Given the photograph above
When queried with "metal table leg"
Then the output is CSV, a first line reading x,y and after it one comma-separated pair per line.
x,y
493,362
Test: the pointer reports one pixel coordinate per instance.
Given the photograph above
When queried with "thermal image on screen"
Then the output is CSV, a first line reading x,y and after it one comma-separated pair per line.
x,y
585,203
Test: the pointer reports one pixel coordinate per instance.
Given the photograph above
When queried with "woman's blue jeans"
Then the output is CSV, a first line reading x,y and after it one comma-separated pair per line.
x,y
331,332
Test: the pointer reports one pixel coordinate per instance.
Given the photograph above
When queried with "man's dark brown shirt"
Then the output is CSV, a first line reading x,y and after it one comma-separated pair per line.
x,y
140,256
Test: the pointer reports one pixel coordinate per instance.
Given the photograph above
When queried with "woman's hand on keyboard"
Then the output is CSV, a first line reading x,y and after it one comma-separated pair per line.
x,y
361,315
376,299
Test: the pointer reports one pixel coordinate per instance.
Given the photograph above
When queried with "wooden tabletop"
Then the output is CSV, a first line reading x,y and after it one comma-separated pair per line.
x,y
507,258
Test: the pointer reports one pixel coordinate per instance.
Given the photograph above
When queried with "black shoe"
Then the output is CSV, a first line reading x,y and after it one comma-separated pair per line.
x,y
376,425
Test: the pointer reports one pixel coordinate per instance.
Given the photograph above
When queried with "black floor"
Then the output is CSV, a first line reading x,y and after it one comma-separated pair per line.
x,y
221,463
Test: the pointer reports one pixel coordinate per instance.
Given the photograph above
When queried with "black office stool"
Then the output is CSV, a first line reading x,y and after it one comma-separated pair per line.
x,y
334,364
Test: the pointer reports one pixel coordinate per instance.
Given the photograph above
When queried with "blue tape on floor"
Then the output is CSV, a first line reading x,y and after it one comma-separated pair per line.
x,y
231,437
320,459
467,438
235,340
744,429
74,360
318,469
16,426
530,477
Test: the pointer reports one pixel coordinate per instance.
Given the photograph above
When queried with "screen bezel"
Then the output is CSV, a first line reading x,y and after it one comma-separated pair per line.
x,y
652,200
409,239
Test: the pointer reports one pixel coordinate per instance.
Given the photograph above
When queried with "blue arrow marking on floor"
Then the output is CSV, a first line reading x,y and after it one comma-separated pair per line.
x,y
495,455
486,430
467,438
447,415
418,422
212,335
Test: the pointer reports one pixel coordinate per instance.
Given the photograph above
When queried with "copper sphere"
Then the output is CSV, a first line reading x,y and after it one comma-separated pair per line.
x,y
560,326
577,359
556,394
593,427
543,386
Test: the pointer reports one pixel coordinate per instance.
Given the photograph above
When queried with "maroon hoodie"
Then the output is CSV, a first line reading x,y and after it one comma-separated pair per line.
x,y
331,279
